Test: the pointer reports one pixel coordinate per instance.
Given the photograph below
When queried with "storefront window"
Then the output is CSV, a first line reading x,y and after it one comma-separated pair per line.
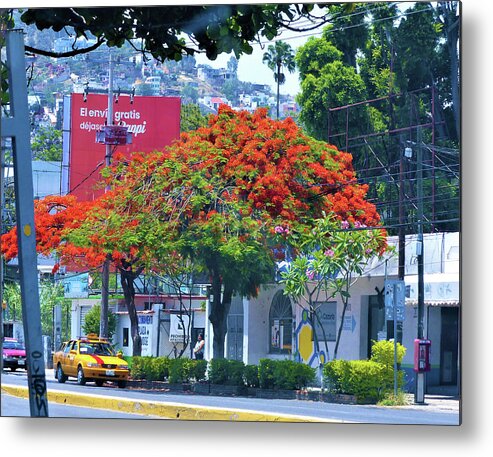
x,y
281,324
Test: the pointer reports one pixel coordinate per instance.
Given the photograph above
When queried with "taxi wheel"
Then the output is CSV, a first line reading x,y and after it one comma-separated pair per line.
x,y
122,384
81,380
99,382
60,375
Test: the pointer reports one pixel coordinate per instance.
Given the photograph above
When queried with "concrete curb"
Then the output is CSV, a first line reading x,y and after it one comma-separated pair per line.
x,y
166,410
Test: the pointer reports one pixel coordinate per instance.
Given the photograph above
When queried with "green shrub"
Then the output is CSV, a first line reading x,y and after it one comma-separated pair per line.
x,y
139,370
218,371
226,372
250,376
178,371
235,373
383,352
362,378
266,373
366,380
158,368
150,368
336,375
292,375
197,370
284,374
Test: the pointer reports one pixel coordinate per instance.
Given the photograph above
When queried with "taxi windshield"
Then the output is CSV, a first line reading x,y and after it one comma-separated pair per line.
x,y
96,349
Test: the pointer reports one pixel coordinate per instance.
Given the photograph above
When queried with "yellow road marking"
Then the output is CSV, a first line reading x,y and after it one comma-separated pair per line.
x,y
177,411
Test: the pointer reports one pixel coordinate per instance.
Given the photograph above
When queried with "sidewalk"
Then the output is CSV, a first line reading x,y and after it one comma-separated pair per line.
x,y
434,402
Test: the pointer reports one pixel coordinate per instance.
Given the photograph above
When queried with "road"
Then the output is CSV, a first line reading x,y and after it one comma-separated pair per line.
x,y
19,407
192,406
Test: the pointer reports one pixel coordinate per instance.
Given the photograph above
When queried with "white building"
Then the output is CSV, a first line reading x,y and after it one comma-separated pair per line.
x,y
269,326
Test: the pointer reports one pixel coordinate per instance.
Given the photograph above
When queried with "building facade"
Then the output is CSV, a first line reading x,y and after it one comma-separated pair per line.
x,y
273,326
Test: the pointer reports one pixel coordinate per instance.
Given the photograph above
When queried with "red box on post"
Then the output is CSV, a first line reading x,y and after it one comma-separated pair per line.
x,y
422,355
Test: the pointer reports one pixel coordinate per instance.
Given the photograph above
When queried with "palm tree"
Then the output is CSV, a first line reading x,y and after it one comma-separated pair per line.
x,y
277,57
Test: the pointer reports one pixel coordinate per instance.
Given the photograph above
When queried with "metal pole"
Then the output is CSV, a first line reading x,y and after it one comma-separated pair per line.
x,y
420,388
395,340
105,275
17,126
2,206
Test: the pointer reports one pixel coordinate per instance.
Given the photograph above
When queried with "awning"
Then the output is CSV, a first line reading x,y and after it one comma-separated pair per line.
x,y
451,303
440,289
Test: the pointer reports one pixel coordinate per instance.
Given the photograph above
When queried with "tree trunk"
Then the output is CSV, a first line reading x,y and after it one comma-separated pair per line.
x,y
127,281
278,87
219,315
341,325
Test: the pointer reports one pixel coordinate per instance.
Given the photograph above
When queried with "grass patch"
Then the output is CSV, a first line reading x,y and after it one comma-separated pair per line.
x,y
394,400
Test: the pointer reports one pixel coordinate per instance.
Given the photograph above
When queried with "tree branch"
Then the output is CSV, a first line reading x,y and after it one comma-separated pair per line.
x,y
73,53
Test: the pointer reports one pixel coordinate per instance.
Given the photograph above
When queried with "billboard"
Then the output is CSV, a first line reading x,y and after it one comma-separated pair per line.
x,y
154,123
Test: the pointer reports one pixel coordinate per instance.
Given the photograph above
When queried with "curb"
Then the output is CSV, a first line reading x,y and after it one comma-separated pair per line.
x,y
163,410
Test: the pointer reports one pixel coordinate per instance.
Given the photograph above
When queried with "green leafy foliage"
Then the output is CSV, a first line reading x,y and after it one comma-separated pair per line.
x,y
266,373
369,380
93,319
214,29
150,368
362,378
292,375
328,259
186,370
226,372
47,144
284,374
250,376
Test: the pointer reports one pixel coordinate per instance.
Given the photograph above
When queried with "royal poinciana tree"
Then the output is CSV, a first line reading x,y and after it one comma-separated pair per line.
x,y
215,197
70,229
212,199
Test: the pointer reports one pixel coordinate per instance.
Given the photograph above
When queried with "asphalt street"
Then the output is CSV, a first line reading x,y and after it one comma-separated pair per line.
x,y
437,410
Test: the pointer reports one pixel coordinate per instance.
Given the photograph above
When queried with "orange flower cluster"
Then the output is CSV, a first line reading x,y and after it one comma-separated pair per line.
x,y
275,168
241,166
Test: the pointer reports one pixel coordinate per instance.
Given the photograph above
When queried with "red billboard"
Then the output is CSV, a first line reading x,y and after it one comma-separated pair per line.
x,y
154,123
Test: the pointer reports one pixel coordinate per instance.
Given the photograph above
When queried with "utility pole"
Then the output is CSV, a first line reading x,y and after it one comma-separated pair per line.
x,y
17,127
105,275
420,387
111,135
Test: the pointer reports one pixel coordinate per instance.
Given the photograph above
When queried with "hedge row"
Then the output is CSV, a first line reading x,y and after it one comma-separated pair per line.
x,y
269,374
368,380
174,370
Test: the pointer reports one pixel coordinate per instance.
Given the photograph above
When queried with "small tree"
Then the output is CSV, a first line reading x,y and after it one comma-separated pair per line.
x,y
92,321
327,261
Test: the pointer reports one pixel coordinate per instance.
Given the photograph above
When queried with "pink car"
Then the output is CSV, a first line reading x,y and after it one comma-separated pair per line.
x,y
14,354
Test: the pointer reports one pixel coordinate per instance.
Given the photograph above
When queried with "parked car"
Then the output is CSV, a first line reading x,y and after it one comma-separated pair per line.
x,y
90,358
14,354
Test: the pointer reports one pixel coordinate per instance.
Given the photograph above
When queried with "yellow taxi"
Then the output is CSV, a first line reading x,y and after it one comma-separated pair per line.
x,y
90,358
